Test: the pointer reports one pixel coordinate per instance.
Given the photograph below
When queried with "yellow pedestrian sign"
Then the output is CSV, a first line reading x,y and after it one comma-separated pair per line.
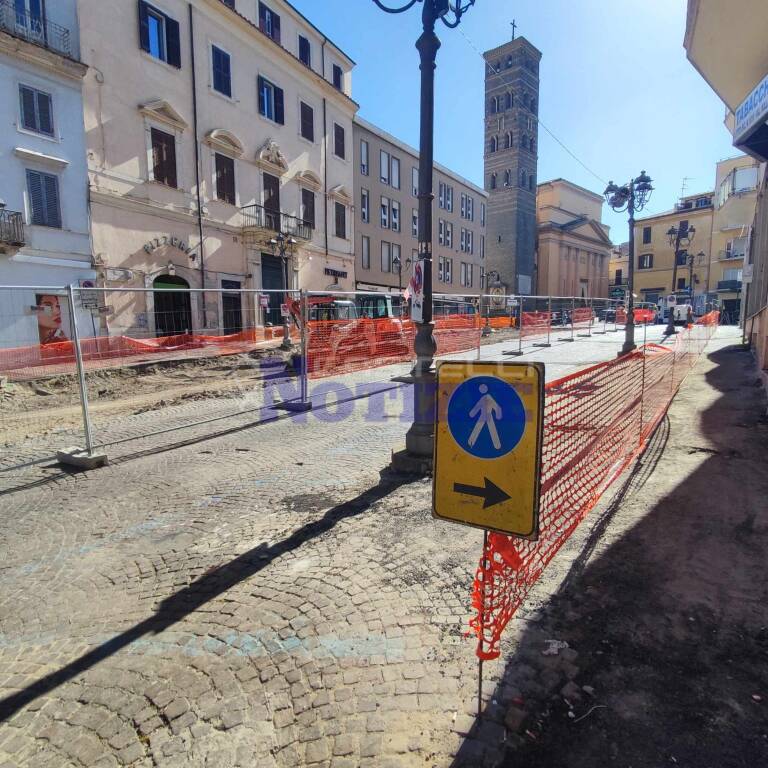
x,y
488,445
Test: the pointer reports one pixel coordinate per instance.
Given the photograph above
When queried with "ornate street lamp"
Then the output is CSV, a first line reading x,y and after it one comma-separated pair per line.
x,y
397,262
420,436
678,236
284,247
630,197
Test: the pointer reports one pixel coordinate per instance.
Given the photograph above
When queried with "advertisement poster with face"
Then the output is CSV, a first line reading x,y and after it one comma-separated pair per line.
x,y
417,291
49,321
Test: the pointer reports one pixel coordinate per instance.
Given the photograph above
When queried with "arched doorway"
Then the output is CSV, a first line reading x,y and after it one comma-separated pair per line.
x,y
173,307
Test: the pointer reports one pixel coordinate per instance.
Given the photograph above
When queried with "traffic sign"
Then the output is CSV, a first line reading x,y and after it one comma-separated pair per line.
x,y
488,439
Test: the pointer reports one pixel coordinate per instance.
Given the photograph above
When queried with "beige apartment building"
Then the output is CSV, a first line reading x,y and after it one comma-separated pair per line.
x,y
211,128
573,247
654,274
618,272
735,199
387,219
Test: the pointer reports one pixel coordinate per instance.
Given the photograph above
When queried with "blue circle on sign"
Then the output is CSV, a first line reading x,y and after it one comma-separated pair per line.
x,y
486,417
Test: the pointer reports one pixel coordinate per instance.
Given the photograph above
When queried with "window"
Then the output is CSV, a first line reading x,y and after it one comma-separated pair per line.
x,y
386,257
159,35
482,214
269,22
36,110
619,275
736,248
397,262
365,252
43,191
463,206
492,184
463,273
341,221
680,283
703,202
365,205
441,232
307,120
482,277
470,208
494,145
225,179
646,235
364,157
163,157
385,212
466,276
682,258
339,137
463,241
744,179
441,194
482,246
308,207
384,167
448,198
415,182
732,274
441,269
222,71
448,234
523,179
448,271
338,76
395,216
415,223
305,51
271,101
395,173
645,261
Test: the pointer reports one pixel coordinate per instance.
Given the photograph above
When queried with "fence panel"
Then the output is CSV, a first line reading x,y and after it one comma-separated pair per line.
x,y
596,421
40,409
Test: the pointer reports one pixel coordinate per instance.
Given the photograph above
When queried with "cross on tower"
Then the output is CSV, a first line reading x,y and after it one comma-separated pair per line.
x,y
514,28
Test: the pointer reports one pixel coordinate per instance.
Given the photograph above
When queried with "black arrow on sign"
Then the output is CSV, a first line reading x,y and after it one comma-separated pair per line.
x,y
491,493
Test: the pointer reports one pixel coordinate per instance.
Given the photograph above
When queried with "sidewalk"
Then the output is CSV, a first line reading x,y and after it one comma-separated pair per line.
x,y
661,599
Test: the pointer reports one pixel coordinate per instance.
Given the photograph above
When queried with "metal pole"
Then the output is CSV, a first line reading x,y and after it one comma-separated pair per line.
x,y
87,428
549,323
286,320
573,312
629,328
482,629
304,350
670,331
419,438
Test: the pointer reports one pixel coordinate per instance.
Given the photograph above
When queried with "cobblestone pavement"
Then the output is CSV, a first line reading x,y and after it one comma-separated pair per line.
x,y
256,598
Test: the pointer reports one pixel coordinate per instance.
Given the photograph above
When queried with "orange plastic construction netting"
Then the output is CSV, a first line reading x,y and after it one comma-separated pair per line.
x,y
582,317
596,421
535,323
337,347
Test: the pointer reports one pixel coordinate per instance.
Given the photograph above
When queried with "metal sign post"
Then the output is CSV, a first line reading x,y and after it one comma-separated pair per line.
x,y
519,351
488,437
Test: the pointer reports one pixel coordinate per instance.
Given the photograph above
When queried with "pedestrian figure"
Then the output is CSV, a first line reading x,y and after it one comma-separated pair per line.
x,y
487,410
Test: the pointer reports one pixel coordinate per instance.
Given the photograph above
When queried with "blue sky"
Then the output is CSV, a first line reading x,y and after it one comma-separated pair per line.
x,y
616,88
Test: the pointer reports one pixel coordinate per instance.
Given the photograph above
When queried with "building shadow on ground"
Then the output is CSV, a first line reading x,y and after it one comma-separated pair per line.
x,y
206,588
667,626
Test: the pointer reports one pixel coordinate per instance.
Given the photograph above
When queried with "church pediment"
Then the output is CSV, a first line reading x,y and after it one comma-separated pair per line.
x,y
225,141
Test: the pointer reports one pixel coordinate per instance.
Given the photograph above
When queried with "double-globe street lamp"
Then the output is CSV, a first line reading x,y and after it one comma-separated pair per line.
x,y
419,438
630,197
680,238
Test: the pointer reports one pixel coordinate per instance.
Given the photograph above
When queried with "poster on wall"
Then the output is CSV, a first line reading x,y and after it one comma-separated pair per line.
x,y
417,291
49,319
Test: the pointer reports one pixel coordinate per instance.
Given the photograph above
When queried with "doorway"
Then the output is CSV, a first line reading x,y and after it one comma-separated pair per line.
x,y
271,202
232,307
173,306
273,279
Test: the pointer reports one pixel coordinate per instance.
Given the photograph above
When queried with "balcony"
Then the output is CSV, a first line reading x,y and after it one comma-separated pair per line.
x,y
11,231
260,223
729,285
729,255
19,22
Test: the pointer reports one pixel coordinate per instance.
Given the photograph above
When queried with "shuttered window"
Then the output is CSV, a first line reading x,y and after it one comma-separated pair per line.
x,y
222,71
305,51
43,190
339,141
341,220
271,101
269,22
36,110
225,179
308,207
164,158
307,122
159,34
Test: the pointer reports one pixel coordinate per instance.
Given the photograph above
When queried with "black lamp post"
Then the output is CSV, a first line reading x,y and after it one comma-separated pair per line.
x,y
397,262
630,197
419,439
284,247
682,235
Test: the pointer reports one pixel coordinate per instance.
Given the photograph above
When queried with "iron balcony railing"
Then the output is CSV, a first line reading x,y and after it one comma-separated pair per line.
x,y
729,285
258,217
11,228
19,22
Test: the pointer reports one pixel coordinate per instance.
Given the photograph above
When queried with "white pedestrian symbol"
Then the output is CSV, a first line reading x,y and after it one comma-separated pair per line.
x,y
487,411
